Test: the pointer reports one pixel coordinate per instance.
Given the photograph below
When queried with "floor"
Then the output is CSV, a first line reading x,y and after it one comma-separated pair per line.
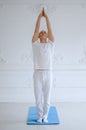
x,y
72,117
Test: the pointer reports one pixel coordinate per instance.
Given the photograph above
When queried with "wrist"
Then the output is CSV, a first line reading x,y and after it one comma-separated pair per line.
x,y
46,17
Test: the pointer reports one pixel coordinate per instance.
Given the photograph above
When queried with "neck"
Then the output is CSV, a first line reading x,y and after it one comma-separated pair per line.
x,y
43,41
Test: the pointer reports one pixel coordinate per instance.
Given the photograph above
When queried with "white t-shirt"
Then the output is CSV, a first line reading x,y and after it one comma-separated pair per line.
x,y
43,54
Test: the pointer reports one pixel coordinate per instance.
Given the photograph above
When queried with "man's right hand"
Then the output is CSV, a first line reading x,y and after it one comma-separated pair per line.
x,y
43,12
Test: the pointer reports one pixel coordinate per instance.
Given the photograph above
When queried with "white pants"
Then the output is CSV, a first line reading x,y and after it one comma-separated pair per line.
x,y
42,90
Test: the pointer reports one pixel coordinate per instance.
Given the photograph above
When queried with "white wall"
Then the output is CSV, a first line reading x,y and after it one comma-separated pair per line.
x,y
17,22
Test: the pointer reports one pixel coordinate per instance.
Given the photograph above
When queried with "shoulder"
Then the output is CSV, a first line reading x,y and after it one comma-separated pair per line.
x,y
50,42
35,44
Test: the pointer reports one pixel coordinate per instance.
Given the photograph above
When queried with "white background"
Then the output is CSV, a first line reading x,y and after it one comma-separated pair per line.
x,y
17,23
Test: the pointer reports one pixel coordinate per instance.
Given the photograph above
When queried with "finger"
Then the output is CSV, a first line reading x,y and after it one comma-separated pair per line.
x,y
43,11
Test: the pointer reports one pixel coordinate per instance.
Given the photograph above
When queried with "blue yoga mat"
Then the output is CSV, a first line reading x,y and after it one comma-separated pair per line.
x,y
52,116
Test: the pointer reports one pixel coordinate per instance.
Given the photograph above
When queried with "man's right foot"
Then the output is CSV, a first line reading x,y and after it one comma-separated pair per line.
x,y
39,120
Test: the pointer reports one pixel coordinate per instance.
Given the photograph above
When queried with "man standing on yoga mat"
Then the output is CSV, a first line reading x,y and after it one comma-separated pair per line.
x,y
42,44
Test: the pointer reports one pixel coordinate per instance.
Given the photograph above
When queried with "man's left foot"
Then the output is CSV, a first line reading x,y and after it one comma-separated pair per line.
x,y
45,120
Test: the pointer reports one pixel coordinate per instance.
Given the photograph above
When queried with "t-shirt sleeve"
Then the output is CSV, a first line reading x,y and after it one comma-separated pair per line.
x,y
52,43
34,43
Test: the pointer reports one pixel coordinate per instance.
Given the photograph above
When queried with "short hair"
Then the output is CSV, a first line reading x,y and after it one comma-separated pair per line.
x,y
42,31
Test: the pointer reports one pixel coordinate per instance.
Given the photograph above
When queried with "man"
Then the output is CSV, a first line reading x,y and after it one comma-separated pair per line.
x,y
42,43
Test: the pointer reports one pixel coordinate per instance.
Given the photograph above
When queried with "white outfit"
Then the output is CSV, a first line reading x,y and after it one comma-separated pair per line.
x,y
42,88
42,56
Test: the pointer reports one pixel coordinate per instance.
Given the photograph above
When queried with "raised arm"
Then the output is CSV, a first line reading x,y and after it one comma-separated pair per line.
x,y
50,34
36,32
